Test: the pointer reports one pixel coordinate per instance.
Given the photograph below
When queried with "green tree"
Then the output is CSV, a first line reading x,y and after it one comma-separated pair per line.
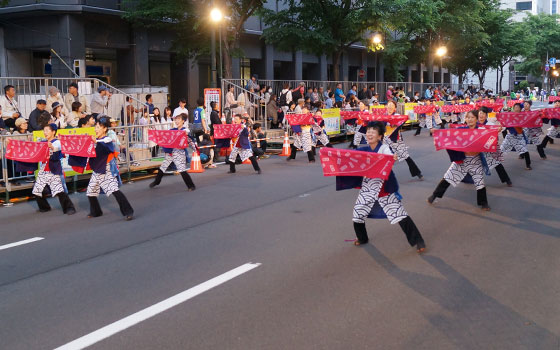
x,y
324,26
189,21
543,34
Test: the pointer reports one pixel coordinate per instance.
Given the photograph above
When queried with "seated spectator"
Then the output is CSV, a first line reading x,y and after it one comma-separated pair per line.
x,y
55,96
75,115
86,122
73,96
21,127
34,115
56,115
206,153
10,111
44,120
329,102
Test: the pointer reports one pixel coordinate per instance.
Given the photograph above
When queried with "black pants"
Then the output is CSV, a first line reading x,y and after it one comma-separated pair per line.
x,y
502,173
253,160
293,152
124,205
412,167
408,226
65,202
10,123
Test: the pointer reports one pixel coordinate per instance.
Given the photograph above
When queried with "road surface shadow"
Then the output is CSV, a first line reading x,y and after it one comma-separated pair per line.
x,y
471,319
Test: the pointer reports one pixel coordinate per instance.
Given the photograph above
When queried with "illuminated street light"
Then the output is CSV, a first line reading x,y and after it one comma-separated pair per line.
x,y
216,15
441,51
377,39
555,73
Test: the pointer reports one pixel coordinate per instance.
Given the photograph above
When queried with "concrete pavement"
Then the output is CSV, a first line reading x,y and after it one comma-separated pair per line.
x,y
488,280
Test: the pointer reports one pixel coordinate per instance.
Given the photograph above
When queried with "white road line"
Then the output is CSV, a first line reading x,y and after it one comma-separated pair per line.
x,y
151,311
15,244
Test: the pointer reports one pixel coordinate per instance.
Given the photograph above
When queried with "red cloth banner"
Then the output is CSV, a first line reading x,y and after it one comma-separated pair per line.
x,y
512,103
350,114
379,111
466,140
457,108
170,138
394,120
339,162
448,108
551,113
524,119
425,109
27,151
227,131
78,145
553,98
496,107
300,119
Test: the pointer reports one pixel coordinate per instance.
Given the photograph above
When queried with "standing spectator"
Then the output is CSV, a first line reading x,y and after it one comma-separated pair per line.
x,y
73,118
328,92
21,127
314,98
298,92
428,93
329,103
73,96
55,96
214,117
198,126
167,119
252,84
285,98
352,90
34,115
57,117
10,111
339,95
389,94
362,95
182,108
150,104
100,101
130,112
272,112
230,98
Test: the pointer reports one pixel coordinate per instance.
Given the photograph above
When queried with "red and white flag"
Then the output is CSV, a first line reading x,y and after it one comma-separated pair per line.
x,y
339,162
300,119
425,109
169,138
512,103
524,119
27,151
227,131
394,120
78,145
466,140
551,113
350,114
379,111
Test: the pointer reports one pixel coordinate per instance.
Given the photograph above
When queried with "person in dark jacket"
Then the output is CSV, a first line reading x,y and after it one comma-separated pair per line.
x,y
34,116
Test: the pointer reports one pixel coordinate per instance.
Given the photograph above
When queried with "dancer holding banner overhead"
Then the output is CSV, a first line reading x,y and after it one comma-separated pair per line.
x,y
104,177
301,126
532,135
553,131
394,140
242,147
379,196
319,133
514,123
175,150
464,146
493,159
51,175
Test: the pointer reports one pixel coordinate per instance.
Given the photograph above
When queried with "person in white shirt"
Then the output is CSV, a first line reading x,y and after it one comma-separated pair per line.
x,y
100,101
73,96
10,111
182,108
55,96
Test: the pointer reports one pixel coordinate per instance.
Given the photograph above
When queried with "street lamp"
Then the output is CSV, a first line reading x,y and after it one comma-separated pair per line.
x,y
216,17
377,46
440,52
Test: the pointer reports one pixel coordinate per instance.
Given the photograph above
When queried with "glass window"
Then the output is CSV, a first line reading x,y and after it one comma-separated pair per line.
x,y
524,5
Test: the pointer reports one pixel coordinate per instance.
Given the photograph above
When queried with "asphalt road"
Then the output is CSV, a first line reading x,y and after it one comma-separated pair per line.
x,y
489,280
